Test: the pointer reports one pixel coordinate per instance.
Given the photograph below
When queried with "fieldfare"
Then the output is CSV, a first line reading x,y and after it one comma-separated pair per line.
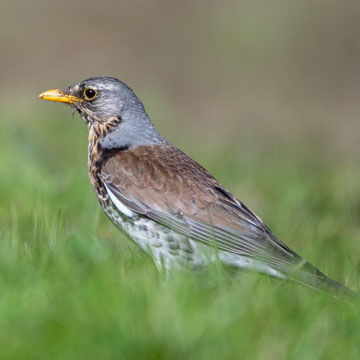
x,y
165,201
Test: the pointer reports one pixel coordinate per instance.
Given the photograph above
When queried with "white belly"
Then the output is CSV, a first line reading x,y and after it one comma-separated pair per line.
x,y
167,247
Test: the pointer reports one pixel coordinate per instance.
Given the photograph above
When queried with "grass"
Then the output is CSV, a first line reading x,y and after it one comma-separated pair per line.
x,y
73,287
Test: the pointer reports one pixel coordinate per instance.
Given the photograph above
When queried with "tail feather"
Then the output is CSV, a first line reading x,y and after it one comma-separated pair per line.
x,y
306,274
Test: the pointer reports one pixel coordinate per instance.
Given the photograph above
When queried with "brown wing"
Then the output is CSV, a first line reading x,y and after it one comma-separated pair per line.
x,y
164,184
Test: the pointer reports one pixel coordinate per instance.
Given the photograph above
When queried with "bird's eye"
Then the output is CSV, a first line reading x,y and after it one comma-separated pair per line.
x,y
90,94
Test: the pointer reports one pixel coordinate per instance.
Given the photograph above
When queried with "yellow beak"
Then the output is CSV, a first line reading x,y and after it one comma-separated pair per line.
x,y
60,96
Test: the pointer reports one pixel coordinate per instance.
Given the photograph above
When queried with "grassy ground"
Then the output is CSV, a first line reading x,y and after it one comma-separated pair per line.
x,y
73,287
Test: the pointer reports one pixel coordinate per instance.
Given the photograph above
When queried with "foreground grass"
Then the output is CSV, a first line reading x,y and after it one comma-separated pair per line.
x,y
72,287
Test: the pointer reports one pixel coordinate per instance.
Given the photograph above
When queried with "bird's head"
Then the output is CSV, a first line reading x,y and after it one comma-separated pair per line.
x,y
108,101
98,99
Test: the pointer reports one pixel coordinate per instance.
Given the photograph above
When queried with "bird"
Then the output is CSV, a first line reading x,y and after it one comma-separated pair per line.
x,y
167,203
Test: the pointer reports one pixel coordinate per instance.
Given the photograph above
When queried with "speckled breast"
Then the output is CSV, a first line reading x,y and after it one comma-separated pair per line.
x,y
166,246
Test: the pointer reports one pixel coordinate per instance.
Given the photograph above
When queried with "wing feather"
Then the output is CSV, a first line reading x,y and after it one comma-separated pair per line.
x,y
253,241
165,185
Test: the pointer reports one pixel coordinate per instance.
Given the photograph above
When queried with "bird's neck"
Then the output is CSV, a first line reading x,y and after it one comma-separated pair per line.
x,y
117,133
125,134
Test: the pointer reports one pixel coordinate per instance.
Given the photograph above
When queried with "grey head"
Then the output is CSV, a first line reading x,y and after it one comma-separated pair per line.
x,y
109,103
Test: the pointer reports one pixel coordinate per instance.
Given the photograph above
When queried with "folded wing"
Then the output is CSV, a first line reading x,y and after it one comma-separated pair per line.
x,y
167,186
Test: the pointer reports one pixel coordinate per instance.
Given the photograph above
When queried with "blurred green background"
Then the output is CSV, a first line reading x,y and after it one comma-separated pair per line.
x,y
263,94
